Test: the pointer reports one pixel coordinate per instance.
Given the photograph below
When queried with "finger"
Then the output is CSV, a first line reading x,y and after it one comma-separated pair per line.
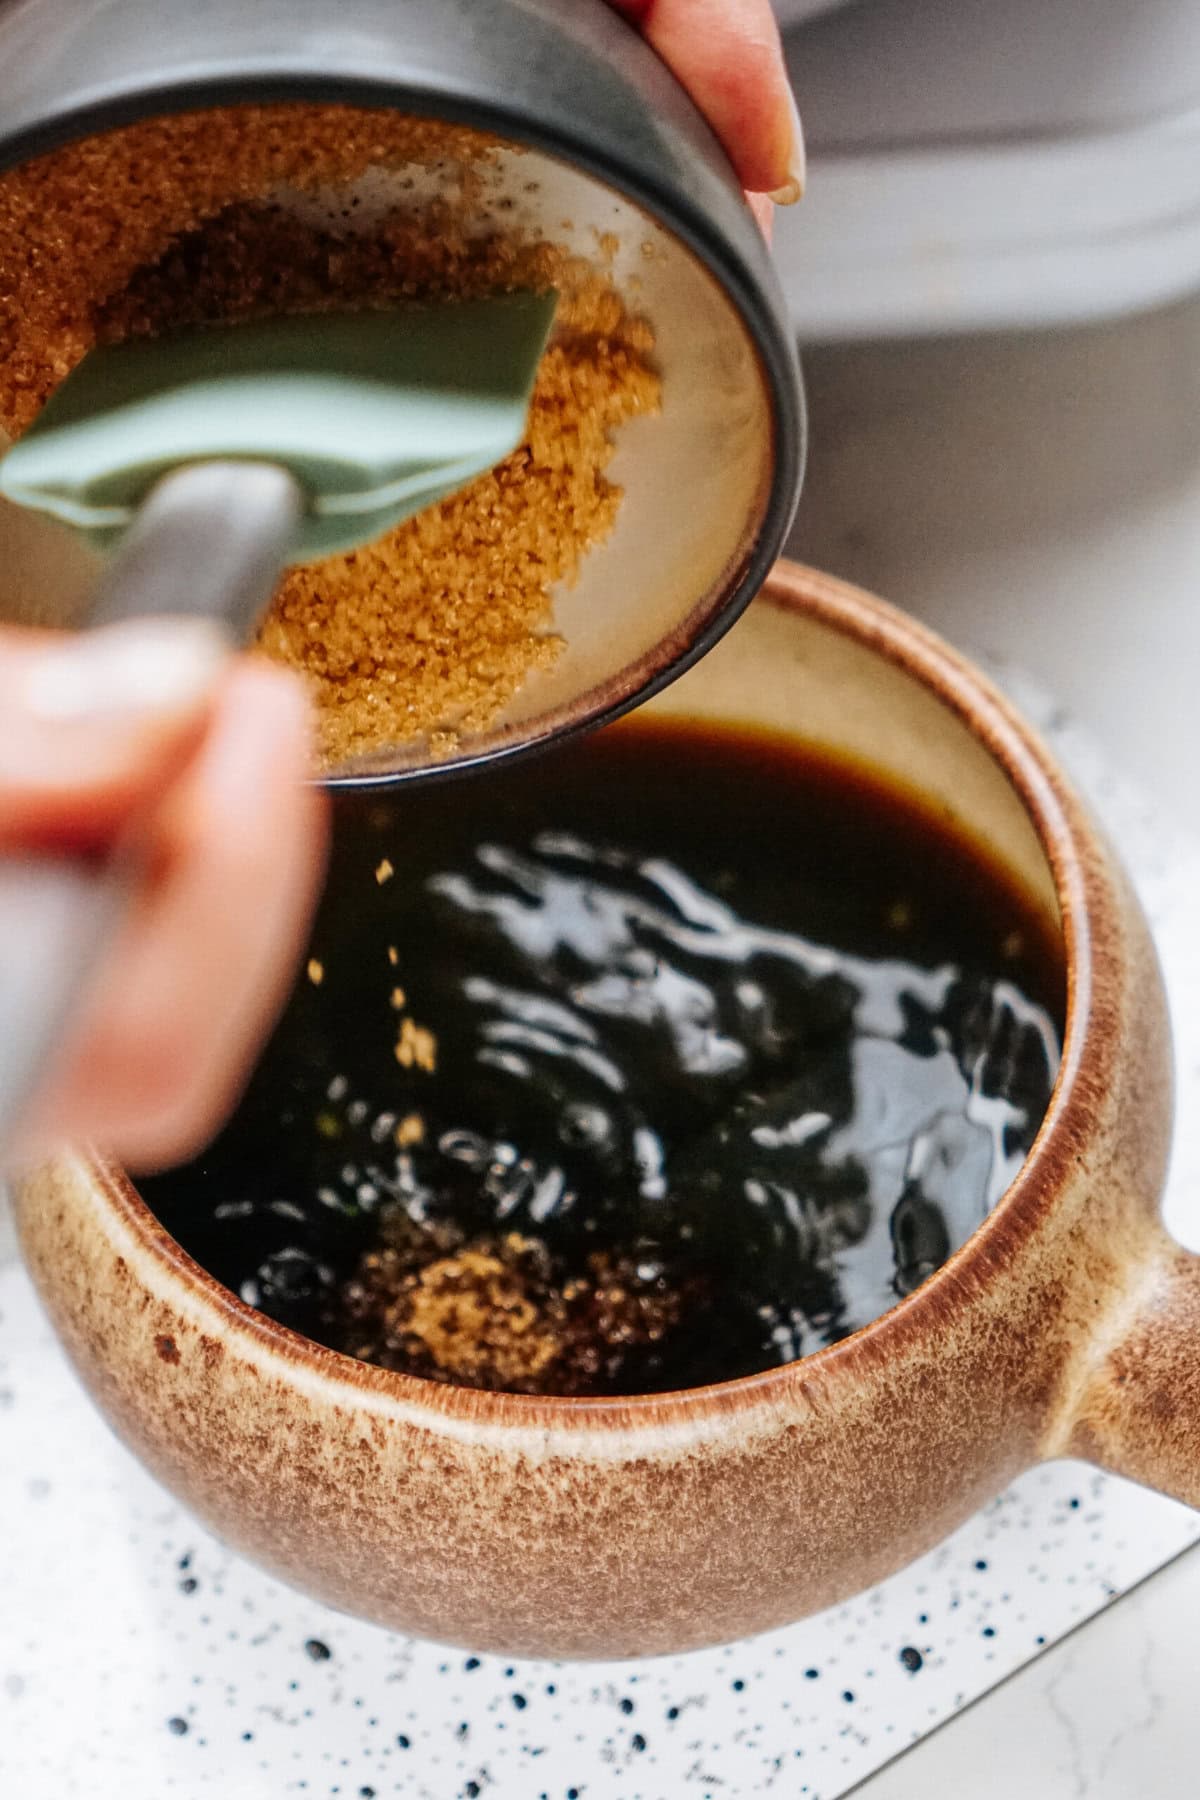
x,y
728,54
96,724
763,210
204,965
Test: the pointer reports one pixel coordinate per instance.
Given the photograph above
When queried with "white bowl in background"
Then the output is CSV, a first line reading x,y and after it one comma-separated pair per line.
x,y
977,166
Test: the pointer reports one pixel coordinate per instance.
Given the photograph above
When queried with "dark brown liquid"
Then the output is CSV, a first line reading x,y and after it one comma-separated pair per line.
x,y
671,1057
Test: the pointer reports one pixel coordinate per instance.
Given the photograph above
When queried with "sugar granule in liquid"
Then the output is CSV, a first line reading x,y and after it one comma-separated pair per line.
x,y
724,1048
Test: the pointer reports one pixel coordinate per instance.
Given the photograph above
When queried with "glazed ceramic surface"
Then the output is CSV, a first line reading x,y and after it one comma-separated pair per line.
x,y
625,1527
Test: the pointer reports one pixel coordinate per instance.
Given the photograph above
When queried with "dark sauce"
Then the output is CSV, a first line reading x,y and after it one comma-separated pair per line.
x,y
669,1058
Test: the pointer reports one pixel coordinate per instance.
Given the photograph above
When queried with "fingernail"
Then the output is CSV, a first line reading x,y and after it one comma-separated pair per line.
x,y
797,163
140,668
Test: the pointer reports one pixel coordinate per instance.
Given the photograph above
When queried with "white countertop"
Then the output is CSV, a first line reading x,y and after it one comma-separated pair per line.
x,y
1108,1714
1040,497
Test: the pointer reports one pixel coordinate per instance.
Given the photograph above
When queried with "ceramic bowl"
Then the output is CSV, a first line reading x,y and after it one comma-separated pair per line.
x,y
1068,1324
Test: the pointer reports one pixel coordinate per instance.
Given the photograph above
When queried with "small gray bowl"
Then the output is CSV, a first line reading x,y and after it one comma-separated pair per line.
x,y
608,141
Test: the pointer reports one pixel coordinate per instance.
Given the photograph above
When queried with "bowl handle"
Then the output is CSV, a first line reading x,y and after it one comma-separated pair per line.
x,y
1139,1412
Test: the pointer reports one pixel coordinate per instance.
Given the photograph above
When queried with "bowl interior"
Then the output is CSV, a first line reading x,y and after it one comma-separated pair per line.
x,y
831,678
820,673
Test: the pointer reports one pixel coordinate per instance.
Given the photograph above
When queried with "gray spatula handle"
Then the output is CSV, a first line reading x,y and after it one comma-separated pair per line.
x,y
209,542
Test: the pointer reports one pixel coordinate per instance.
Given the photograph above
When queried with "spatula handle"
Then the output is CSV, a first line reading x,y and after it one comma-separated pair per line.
x,y
209,542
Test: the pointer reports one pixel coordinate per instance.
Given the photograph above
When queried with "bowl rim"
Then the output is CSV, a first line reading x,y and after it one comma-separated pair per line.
x,y
1094,968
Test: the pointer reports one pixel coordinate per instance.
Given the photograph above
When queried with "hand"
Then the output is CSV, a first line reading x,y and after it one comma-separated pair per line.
x,y
728,55
212,761
155,723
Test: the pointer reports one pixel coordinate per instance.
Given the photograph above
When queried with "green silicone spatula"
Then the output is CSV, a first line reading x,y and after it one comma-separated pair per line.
x,y
210,460
375,415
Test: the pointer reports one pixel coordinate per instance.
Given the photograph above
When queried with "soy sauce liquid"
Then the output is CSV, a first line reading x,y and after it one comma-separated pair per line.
x,y
744,1020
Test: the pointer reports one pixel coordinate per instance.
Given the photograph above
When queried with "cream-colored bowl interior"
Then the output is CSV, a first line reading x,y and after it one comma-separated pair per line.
x,y
792,672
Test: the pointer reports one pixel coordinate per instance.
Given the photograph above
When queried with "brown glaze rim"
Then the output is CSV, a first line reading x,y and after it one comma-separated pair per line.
x,y
1089,925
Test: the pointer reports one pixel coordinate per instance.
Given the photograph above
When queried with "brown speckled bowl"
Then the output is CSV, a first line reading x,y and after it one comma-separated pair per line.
x,y
1068,1324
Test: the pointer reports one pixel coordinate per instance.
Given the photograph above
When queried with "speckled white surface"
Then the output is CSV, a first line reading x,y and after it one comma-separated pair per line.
x,y
139,1658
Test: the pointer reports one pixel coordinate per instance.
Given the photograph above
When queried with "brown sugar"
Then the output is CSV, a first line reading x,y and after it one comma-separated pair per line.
x,y
416,1047
495,1310
432,630
410,1131
472,1316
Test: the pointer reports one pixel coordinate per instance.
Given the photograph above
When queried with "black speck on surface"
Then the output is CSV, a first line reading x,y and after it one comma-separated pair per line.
x,y
472,1790
177,1726
185,1561
367,1793
811,1674
989,1631
188,1585
848,1695
637,1741
981,1563
1074,1505
672,1712
520,1702
922,1618
738,1685
912,1659
626,1705
247,1737
403,1742
318,1651
471,1663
